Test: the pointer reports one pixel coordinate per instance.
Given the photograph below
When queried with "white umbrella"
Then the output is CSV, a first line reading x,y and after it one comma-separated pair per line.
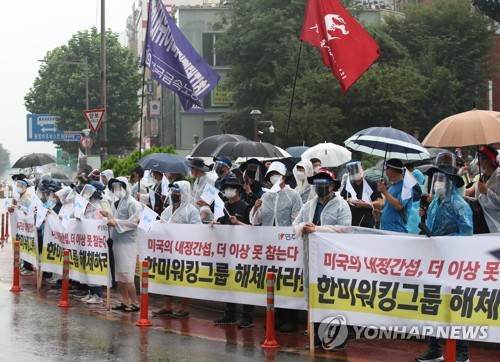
x,y
330,154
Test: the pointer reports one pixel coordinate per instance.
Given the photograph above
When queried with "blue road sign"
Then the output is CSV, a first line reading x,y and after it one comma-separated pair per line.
x,y
71,137
43,128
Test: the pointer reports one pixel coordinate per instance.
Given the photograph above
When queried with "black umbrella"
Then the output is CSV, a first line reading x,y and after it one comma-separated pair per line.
x,y
249,149
164,162
207,147
33,160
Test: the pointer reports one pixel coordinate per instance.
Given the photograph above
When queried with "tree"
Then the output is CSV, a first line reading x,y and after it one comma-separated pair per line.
x,y
60,88
4,159
427,71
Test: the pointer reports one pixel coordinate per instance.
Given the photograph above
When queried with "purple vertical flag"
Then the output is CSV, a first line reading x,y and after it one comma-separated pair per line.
x,y
173,61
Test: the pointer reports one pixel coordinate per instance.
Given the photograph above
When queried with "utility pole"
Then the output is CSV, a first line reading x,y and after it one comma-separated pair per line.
x,y
104,131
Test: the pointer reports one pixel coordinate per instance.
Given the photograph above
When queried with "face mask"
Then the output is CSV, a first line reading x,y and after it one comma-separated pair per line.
x,y
356,176
275,178
176,198
322,191
21,189
229,192
440,188
300,176
316,169
49,204
218,170
120,194
250,174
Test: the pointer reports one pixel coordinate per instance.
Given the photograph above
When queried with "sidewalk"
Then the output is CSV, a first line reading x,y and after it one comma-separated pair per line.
x,y
200,325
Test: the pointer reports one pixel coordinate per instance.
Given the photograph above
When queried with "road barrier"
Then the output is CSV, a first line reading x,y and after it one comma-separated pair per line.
x,y
15,282
144,321
64,303
270,341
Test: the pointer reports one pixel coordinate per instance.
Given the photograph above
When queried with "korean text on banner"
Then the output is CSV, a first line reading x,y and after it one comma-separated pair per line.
x,y
173,61
224,263
416,282
86,241
24,230
346,47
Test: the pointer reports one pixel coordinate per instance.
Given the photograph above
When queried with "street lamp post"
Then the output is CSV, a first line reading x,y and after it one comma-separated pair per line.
x,y
256,114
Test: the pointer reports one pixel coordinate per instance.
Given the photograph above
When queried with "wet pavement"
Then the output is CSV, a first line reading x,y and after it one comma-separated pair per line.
x,y
33,327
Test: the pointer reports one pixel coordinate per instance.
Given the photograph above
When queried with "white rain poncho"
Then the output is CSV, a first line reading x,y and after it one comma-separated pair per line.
x,y
277,209
490,202
107,194
124,234
67,197
335,212
186,213
303,187
198,187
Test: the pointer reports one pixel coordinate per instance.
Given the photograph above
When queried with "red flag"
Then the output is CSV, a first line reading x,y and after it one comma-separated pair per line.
x,y
346,47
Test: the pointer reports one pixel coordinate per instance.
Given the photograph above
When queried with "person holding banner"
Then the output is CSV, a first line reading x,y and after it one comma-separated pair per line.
x,y
179,211
278,207
123,219
325,210
395,210
362,195
448,214
236,212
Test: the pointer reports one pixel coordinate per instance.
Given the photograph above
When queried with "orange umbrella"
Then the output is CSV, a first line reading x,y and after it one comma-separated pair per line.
x,y
476,127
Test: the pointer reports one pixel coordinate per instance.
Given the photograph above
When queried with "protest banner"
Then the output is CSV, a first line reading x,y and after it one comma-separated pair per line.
x,y
86,241
224,263
422,284
24,230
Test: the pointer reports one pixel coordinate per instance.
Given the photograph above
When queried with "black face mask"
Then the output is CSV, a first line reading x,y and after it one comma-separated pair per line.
x,y
250,174
322,191
176,198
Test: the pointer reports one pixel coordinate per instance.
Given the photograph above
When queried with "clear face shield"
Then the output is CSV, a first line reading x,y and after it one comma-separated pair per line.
x,y
219,167
441,184
175,194
322,187
355,170
252,172
21,187
118,190
446,161
88,191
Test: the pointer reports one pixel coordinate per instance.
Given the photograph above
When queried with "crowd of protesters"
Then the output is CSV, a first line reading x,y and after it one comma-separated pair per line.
x,y
445,200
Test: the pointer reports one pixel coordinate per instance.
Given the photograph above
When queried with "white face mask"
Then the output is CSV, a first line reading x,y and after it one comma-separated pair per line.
x,y
21,189
230,192
275,178
440,188
316,169
120,194
300,176
356,176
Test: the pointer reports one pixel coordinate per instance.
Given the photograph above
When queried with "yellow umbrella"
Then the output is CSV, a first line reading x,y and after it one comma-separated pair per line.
x,y
476,127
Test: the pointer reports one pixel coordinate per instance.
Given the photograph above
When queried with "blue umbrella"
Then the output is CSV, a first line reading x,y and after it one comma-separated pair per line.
x,y
296,151
164,162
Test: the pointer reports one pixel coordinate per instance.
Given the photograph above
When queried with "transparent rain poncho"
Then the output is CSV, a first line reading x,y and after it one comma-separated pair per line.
x,y
277,209
186,213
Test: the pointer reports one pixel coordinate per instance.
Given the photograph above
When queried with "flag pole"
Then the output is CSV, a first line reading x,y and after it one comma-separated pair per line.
x,y
140,122
293,95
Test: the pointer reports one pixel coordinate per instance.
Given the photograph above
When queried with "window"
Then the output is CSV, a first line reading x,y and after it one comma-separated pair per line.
x,y
209,54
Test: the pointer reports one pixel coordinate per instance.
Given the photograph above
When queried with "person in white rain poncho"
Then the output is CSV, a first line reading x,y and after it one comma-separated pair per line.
x,y
301,172
124,217
181,210
66,196
201,179
277,207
